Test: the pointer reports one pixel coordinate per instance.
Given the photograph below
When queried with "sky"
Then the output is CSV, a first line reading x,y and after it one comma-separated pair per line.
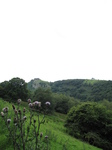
x,y
55,40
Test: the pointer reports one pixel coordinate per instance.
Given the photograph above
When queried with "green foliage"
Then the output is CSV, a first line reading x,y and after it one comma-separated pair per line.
x,y
13,89
91,122
92,90
83,89
53,127
63,103
37,83
44,95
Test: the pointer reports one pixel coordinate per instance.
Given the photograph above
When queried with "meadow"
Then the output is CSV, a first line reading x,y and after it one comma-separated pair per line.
x,y
58,139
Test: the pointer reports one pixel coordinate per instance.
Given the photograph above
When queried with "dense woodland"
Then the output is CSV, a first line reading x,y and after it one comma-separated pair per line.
x,y
84,90
87,103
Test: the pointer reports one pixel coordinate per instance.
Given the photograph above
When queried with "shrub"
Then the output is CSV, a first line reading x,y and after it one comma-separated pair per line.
x,y
91,122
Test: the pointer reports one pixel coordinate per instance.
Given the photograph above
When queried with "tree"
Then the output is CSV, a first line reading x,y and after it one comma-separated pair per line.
x,y
14,89
91,122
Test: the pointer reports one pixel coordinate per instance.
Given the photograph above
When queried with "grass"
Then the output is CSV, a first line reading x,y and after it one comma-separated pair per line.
x,y
53,127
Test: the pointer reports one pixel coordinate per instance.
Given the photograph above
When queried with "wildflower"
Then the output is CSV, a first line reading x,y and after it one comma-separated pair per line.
x,y
8,121
46,137
29,100
24,118
19,101
36,103
2,114
5,109
30,105
48,103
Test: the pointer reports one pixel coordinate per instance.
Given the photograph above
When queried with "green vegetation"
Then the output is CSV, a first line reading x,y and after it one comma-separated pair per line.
x,y
53,127
87,103
36,83
82,89
91,122
13,89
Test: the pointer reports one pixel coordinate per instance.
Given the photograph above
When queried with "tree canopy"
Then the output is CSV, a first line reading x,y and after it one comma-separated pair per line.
x,y
14,89
91,122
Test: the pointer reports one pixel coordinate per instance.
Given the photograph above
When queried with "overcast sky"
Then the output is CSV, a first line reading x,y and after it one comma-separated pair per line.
x,y
55,40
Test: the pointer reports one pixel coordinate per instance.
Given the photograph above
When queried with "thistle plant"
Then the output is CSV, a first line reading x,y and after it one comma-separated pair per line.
x,y
23,129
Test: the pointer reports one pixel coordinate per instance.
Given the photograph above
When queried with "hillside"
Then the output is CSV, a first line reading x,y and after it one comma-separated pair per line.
x,y
53,127
83,89
36,83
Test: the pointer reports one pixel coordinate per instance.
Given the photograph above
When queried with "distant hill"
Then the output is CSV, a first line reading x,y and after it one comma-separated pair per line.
x,y
83,89
36,83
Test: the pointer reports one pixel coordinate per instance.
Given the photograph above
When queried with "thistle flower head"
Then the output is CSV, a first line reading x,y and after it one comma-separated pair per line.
x,y
24,118
46,137
36,103
29,100
5,110
8,121
30,105
19,101
2,114
47,103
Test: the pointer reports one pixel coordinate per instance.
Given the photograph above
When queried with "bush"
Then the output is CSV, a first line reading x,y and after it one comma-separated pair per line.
x,y
90,122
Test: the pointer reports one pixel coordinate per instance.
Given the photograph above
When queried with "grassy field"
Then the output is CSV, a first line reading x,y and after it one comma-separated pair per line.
x,y
53,127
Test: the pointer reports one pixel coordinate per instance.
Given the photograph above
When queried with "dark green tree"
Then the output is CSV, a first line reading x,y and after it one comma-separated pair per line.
x,y
91,122
14,89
